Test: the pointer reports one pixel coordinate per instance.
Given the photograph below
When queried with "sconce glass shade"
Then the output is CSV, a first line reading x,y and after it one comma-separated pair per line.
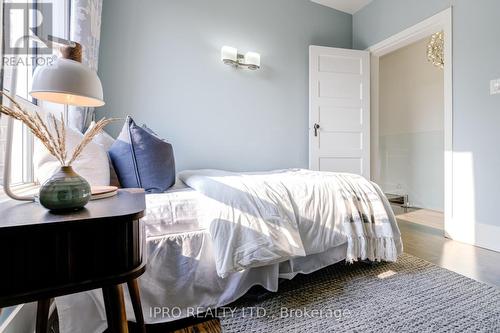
x,y
229,55
252,60
67,82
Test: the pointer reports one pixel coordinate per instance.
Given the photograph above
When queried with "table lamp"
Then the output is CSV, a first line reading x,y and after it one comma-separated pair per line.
x,y
66,81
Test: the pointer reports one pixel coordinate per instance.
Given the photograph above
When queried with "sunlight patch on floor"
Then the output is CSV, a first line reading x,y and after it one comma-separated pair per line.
x,y
386,274
427,217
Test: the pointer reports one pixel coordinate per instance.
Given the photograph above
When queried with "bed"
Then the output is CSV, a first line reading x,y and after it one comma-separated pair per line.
x,y
188,270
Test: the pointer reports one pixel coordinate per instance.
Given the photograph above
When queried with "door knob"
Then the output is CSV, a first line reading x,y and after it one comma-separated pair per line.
x,y
316,128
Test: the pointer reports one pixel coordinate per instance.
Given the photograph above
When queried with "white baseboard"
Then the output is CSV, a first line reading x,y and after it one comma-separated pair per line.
x,y
488,236
483,235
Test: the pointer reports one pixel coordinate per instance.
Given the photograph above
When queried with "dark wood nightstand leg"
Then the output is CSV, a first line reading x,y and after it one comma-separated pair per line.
x,y
42,315
135,297
115,309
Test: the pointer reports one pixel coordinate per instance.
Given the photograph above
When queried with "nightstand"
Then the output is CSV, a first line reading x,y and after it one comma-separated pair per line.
x,y
45,255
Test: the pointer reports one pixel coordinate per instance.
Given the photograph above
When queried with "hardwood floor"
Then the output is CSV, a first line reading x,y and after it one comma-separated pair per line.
x,y
212,326
186,325
426,217
430,244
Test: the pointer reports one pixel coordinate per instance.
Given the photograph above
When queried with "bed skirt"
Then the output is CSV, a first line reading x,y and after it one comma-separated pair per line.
x,y
181,280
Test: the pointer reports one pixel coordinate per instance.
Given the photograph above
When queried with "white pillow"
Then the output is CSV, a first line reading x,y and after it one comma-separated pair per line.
x,y
92,164
103,138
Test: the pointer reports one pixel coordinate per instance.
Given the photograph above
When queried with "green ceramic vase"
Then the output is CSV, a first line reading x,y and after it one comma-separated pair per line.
x,y
65,191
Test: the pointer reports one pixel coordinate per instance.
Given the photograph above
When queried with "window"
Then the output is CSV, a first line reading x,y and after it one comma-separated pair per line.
x,y
26,13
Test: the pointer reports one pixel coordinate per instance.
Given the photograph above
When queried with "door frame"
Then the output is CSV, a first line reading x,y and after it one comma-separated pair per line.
x,y
439,22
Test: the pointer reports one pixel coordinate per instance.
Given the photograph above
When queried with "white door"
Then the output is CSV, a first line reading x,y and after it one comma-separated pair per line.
x,y
339,110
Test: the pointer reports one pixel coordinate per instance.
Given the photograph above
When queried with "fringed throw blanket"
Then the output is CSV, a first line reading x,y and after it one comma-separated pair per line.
x,y
257,219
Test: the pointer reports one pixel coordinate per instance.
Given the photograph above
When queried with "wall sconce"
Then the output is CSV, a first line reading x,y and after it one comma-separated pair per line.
x,y
230,56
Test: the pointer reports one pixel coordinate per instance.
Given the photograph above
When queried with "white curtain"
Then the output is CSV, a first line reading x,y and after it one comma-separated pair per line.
x,y
1,49
3,120
85,28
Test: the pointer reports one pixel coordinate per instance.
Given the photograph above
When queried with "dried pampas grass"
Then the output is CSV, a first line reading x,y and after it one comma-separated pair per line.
x,y
89,135
54,141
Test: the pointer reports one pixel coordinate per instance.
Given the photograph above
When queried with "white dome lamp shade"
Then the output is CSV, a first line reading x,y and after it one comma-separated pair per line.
x,y
68,82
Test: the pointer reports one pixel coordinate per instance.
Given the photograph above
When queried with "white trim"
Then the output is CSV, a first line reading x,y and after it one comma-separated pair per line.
x,y
441,21
487,236
478,234
374,116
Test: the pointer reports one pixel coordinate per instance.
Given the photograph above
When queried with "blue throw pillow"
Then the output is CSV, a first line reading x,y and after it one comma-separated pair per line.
x,y
142,159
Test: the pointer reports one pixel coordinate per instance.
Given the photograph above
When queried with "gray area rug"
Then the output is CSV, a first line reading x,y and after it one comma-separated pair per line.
x,y
411,295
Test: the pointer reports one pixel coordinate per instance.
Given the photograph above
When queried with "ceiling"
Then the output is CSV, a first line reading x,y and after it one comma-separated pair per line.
x,y
348,6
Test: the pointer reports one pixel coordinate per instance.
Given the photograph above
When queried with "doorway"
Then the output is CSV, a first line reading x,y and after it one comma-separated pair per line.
x,y
390,152
411,134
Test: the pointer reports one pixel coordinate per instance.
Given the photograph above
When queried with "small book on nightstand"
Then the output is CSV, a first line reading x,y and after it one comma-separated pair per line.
x,y
101,192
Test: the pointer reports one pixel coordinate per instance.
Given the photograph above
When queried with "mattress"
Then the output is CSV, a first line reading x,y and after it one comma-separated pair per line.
x,y
175,211
181,277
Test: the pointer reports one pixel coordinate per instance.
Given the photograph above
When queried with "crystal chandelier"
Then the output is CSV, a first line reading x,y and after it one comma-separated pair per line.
x,y
435,49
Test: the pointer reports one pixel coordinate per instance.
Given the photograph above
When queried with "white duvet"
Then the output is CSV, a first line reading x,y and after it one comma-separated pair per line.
x,y
257,219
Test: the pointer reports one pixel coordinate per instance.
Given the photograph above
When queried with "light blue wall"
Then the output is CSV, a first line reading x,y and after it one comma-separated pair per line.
x,y
476,60
160,62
